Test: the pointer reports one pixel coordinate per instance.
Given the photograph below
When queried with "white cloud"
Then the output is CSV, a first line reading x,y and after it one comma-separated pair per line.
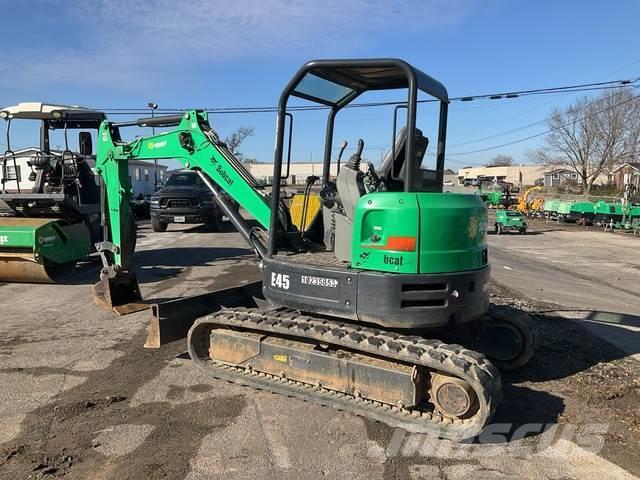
x,y
130,41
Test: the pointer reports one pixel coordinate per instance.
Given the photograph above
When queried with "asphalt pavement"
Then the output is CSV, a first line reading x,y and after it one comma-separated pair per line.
x,y
81,398
591,275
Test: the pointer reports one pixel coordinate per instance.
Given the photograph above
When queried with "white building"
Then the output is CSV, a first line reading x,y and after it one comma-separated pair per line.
x,y
298,171
142,177
519,175
141,173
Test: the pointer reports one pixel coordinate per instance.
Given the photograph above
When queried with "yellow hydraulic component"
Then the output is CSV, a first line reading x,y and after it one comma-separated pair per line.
x,y
537,205
297,209
523,205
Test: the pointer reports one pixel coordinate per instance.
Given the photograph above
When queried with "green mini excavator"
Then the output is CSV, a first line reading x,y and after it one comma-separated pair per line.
x,y
360,297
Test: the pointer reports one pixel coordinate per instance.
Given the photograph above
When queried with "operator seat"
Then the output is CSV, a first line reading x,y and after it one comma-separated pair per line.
x,y
392,169
350,181
350,187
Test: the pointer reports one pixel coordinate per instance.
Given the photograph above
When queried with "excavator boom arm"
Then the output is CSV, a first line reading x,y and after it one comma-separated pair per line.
x,y
194,144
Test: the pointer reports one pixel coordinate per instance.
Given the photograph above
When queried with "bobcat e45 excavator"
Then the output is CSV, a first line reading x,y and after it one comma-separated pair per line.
x,y
358,302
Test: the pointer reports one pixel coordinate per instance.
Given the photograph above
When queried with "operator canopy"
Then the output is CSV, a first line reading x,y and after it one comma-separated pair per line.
x,y
338,82
58,116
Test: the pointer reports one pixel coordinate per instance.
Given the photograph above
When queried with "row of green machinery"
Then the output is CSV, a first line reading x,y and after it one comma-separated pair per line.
x,y
359,305
49,199
615,214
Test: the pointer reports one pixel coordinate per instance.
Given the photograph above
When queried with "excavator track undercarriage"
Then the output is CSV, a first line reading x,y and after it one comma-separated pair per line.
x,y
419,384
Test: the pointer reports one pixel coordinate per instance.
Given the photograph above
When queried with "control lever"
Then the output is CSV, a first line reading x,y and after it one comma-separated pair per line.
x,y
354,161
343,145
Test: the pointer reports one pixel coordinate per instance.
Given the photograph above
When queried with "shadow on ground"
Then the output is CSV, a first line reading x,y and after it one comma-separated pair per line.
x,y
59,438
156,265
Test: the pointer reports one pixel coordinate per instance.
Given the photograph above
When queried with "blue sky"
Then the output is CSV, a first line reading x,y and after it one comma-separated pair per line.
x,y
228,53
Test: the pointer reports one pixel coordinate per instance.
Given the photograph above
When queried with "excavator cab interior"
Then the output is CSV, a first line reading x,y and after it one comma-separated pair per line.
x,y
62,171
336,84
49,196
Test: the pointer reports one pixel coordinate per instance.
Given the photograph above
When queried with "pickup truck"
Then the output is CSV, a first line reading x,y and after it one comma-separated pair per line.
x,y
184,199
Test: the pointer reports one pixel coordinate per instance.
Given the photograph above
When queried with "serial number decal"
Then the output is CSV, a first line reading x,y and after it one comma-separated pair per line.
x,y
319,281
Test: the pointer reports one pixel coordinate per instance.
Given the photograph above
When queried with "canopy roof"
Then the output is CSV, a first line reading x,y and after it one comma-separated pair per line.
x,y
338,82
57,115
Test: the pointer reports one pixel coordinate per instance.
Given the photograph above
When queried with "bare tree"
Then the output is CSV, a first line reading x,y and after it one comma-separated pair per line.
x,y
591,136
501,161
234,140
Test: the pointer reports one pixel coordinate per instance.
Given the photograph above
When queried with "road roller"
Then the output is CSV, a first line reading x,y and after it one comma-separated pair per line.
x,y
49,196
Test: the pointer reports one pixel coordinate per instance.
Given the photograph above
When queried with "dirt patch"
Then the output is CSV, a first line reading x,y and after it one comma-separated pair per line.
x,y
575,378
597,382
62,438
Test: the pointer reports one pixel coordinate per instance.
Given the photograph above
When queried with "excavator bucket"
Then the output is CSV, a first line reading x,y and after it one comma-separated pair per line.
x,y
119,294
40,250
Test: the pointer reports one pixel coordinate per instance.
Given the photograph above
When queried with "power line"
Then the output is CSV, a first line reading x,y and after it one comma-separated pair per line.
x,y
584,87
501,134
542,133
517,129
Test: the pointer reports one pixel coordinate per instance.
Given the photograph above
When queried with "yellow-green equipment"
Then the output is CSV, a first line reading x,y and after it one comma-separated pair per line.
x,y
524,206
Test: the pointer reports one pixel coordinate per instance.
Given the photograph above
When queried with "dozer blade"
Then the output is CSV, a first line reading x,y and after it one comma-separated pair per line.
x,y
172,320
119,294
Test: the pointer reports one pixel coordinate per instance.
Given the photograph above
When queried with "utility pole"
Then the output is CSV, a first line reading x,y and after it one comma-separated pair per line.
x,y
153,106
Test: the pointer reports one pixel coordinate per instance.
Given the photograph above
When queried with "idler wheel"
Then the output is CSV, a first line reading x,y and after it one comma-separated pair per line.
x,y
453,397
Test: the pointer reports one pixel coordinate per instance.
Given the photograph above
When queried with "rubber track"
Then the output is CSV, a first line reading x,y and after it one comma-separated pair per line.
x,y
469,365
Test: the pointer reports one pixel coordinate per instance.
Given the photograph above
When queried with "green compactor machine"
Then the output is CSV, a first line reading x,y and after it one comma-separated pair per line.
x,y
358,303
49,198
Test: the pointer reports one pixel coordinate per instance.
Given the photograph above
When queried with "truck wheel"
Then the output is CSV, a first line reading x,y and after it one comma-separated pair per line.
x,y
523,231
157,225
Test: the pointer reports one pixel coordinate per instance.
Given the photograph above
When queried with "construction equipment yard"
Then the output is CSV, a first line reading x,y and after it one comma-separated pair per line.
x,y
300,240
80,397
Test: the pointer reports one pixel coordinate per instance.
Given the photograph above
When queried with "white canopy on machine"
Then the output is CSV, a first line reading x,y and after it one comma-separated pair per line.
x,y
47,111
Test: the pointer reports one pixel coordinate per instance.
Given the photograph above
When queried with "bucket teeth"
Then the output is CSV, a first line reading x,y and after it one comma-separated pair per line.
x,y
120,294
